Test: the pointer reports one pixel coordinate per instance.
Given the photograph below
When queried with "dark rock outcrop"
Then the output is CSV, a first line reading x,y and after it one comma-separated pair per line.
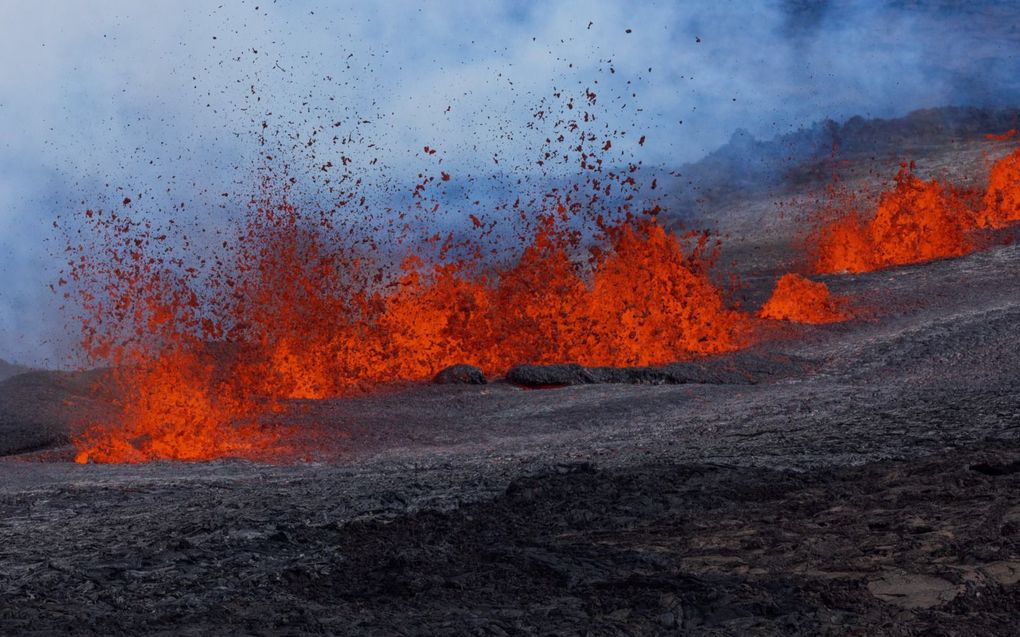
x,y
460,375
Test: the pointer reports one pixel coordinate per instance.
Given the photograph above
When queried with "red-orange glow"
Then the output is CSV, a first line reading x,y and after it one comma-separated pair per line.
x,y
1002,199
299,315
801,300
914,222
174,410
311,303
652,302
1010,134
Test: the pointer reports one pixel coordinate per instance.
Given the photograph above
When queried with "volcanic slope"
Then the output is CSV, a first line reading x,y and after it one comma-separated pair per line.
x,y
872,488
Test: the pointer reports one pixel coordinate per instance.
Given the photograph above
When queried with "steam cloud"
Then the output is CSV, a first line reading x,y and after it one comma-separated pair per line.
x,y
107,100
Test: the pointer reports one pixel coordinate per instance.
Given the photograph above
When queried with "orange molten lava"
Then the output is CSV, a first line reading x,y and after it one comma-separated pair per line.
x,y
173,410
295,310
916,221
1002,199
801,300
1010,134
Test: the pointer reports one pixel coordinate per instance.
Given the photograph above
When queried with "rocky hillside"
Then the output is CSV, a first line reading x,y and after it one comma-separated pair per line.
x,y
10,369
746,165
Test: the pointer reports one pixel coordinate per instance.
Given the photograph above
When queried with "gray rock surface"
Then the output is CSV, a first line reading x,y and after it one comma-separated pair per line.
x,y
739,368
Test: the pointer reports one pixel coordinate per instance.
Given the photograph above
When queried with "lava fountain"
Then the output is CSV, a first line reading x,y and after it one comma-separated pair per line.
x,y
1002,199
801,300
300,304
916,221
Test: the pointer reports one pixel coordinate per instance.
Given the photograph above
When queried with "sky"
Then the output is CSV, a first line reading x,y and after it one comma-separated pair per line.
x,y
165,100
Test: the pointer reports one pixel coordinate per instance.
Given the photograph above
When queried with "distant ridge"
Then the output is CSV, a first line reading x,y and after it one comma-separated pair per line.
x,y
11,369
747,165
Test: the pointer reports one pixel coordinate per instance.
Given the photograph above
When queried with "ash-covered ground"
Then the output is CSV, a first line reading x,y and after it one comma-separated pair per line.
x,y
866,481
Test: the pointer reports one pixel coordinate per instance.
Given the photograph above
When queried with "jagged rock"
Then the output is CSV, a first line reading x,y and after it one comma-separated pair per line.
x,y
460,375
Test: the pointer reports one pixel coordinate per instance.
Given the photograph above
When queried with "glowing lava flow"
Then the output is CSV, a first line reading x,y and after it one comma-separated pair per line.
x,y
323,302
801,300
204,343
172,409
298,313
914,222
1002,199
